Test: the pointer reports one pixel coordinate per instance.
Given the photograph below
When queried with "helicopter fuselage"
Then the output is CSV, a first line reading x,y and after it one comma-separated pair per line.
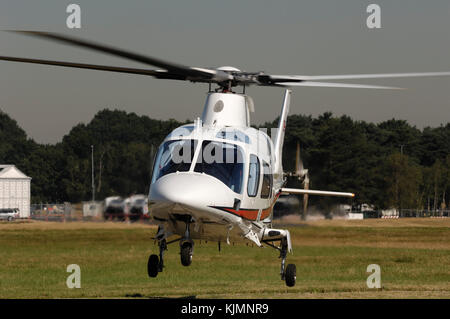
x,y
217,173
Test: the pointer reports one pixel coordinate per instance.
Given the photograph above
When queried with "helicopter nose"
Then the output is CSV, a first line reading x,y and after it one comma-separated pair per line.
x,y
192,190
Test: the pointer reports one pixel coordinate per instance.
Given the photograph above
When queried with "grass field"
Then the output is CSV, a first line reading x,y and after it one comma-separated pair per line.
x,y
331,258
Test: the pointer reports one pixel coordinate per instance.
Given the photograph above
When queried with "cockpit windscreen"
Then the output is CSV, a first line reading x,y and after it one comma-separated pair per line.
x,y
223,161
174,156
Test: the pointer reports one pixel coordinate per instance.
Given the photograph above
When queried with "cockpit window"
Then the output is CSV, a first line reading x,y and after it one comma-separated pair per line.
x,y
223,161
174,156
266,188
253,176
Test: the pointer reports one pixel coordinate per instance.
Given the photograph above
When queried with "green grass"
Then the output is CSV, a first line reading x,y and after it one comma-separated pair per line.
x,y
331,262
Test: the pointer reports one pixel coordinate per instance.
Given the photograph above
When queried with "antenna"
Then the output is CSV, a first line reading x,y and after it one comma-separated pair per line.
x,y
92,171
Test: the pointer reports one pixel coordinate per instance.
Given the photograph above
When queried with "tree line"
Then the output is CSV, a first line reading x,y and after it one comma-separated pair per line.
x,y
390,164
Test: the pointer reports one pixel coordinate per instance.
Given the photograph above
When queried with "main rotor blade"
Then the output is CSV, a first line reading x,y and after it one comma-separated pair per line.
x,y
287,78
169,66
336,85
155,73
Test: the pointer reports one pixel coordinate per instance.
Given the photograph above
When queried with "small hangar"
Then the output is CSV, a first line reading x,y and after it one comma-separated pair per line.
x,y
15,190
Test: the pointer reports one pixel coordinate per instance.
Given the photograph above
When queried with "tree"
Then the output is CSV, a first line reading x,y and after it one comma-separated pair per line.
x,y
403,179
340,153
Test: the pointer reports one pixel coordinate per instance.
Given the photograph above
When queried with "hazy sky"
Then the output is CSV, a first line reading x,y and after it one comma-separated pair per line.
x,y
280,37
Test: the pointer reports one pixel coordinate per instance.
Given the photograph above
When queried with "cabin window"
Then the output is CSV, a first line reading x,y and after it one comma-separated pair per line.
x,y
233,135
223,161
266,188
173,156
253,176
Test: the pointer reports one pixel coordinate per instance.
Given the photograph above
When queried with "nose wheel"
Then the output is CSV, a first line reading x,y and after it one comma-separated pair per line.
x,y
186,247
186,254
153,266
155,263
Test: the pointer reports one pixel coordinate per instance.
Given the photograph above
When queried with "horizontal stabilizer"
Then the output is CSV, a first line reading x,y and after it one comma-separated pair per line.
x,y
315,192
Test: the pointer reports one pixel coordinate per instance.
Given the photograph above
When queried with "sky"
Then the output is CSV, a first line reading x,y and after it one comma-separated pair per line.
x,y
310,37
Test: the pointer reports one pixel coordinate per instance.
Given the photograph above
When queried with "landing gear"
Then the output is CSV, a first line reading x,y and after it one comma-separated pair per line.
x,y
186,254
186,247
288,273
156,264
153,266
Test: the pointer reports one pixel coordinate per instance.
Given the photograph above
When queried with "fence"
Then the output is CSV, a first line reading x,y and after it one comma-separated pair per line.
x,y
86,211
406,213
423,213
50,212
89,211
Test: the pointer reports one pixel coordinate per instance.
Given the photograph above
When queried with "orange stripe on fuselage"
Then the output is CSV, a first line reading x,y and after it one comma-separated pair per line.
x,y
252,214
247,214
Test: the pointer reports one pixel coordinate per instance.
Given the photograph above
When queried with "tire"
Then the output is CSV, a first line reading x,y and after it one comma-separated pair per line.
x,y
186,254
152,266
290,275
10,218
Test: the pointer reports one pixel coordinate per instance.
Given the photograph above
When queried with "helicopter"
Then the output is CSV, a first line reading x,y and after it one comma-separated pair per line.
x,y
218,179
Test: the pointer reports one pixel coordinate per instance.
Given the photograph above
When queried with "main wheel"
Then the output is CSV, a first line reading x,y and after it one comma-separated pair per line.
x,y
186,254
152,266
290,275
10,218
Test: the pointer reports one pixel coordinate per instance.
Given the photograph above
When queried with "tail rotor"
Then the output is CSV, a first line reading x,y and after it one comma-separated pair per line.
x,y
303,176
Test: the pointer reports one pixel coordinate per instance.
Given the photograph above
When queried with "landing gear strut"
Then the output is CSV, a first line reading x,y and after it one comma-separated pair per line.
x,y
155,264
288,273
186,247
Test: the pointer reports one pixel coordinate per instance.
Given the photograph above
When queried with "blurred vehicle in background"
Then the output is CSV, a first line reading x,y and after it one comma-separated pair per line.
x,y
114,208
137,207
9,214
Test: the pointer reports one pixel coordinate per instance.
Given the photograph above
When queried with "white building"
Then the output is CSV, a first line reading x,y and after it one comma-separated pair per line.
x,y
15,189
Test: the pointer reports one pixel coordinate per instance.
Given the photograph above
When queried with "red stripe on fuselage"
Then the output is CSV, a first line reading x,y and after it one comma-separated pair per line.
x,y
251,214
247,214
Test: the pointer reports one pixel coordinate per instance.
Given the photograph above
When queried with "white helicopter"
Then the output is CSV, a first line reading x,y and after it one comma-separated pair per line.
x,y
218,178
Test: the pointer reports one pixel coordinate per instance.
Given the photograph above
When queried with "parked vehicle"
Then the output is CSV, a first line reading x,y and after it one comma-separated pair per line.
x,y
137,207
114,208
9,214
